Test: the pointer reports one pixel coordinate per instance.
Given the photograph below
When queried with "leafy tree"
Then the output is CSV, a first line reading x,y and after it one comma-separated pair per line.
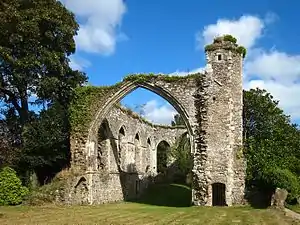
x,y
46,143
9,138
272,144
181,152
36,38
177,120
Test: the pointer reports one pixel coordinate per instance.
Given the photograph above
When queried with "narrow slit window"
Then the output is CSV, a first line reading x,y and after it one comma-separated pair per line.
x,y
219,57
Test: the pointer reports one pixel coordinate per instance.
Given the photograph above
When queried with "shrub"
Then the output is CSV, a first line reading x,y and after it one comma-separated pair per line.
x,y
230,38
11,190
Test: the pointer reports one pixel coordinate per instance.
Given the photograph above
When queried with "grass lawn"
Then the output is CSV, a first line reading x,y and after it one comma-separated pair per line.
x,y
295,208
165,207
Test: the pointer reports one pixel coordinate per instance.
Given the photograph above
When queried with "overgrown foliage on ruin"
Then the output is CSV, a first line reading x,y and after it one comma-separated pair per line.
x,y
227,42
88,99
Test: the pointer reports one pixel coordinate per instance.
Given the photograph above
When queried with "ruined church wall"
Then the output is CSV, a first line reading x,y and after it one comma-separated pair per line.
x,y
137,157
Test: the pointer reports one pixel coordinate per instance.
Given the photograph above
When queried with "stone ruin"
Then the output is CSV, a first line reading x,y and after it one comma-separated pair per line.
x,y
114,153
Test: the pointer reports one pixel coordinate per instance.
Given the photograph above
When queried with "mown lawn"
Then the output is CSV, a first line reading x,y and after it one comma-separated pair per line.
x,y
135,213
161,205
295,208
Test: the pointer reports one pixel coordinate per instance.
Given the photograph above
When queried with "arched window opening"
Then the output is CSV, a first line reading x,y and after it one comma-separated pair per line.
x,y
137,138
121,147
183,160
149,142
218,194
163,149
103,131
103,138
122,131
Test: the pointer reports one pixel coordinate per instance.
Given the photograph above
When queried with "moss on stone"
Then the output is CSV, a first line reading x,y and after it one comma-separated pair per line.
x,y
227,42
164,77
88,99
85,104
230,38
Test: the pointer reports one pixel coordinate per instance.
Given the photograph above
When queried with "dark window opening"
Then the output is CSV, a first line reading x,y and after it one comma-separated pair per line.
x,y
148,141
219,57
137,137
218,194
137,187
122,131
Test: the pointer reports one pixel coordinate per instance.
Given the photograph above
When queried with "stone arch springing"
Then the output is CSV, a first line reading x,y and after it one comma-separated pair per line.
x,y
162,150
218,194
129,87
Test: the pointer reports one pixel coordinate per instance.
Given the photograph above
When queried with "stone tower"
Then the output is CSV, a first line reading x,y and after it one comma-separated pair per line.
x,y
225,168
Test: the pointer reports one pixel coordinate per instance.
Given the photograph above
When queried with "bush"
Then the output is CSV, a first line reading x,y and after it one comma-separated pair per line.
x,y
11,190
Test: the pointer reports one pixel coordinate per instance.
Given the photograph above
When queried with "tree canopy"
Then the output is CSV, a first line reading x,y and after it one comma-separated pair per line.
x,y
272,144
36,41
36,38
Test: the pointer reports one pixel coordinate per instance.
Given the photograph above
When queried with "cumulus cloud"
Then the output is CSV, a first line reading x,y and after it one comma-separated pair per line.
x,y
247,29
156,113
78,63
100,24
275,65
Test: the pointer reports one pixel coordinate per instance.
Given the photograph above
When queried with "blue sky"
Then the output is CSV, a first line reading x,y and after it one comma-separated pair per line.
x,y
118,37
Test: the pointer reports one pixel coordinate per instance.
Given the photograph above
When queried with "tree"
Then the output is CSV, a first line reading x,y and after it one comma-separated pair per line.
x,y
272,144
178,120
10,138
181,152
46,143
36,38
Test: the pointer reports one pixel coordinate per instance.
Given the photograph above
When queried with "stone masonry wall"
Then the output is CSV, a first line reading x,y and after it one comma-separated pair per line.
x,y
124,139
224,131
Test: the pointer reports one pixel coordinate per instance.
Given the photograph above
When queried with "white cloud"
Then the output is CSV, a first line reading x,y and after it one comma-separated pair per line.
x,y
99,31
275,65
78,63
162,114
185,73
287,94
247,29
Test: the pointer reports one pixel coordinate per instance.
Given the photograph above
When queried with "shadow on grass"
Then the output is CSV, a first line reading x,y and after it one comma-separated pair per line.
x,y
172,195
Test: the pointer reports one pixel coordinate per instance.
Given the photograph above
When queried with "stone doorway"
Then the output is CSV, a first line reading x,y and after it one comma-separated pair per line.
x,y
218,194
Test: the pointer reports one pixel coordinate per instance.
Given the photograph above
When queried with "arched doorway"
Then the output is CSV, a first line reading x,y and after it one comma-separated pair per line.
x,y
218,194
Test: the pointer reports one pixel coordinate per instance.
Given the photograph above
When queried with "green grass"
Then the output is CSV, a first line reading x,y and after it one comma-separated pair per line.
x,y
172,195
135,213
295,208
162,204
